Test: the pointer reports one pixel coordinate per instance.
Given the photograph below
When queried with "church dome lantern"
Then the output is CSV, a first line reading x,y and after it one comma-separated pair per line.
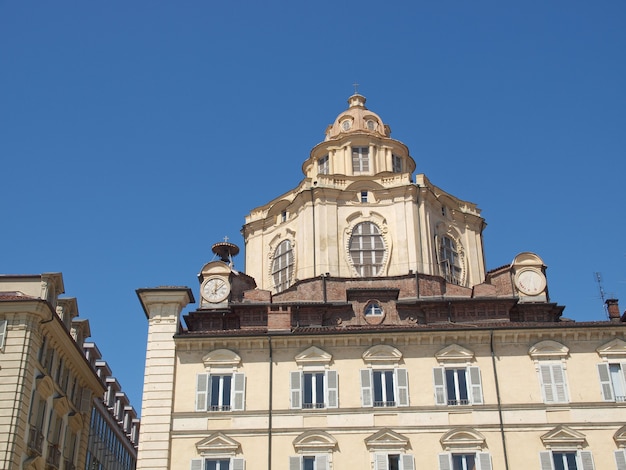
x,y
357,119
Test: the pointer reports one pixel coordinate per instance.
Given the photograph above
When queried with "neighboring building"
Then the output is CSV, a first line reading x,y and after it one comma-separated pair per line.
x,y
368,334
50,388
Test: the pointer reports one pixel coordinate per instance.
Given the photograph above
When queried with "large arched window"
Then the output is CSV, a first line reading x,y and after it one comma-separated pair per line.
x,y
449,260
282,266
367,249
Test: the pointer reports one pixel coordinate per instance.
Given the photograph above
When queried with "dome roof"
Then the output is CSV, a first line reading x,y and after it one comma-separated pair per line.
x,y
357,119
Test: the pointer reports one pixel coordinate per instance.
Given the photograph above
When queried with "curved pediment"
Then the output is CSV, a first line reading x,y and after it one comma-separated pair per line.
x,y
613,349
75,421
548,349
462,439
45,386
382,353
61,405
454,353
387,440
218,443
313,355
315,441
620,437
221,358
563,437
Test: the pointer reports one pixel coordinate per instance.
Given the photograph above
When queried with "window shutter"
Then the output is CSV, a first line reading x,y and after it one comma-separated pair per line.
x,y
545,457
202,385
3,332
620,459
402,385
559,383
545,375
586,460
294,463
239,391
366,387
380,461
484,461
321,462
197,464
239,463
85,401
605,382
296,389
332,389
445,461
476,389
407,462
440,388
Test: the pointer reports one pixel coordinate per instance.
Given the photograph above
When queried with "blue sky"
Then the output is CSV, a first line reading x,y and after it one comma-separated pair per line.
x,y
134,135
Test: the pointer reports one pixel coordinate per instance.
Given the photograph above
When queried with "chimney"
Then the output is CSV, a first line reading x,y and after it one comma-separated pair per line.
x,y
278,319
613,309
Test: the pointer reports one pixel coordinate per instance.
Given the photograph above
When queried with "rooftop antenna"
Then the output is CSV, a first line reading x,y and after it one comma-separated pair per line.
x,y
602,293
356,88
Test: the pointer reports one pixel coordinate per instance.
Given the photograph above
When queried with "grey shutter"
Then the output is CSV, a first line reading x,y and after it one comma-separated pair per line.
x,y
545,458
620,459
586,460
439,374
85,401
402,386
3,332
380,461
406,462
238,464
296,389
294,463
559,383
239,392
197,464
605,382
202,385
366,387
332,389
321,462
545,375
476,389
484,461
445,461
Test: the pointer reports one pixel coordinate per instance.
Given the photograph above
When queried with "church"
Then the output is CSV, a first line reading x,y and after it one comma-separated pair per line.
x,y
366,332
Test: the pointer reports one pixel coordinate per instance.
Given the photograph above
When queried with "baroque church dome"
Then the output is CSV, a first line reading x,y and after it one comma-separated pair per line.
x,y
357,119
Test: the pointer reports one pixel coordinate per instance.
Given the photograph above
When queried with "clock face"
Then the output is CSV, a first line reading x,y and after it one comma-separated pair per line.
x,y
530,282
215,289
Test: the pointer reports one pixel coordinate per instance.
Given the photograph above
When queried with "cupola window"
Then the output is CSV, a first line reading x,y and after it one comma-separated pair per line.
x,y
449,260
345,125
367,249
322,165
360,160
363,196
282,266
371,125
396,163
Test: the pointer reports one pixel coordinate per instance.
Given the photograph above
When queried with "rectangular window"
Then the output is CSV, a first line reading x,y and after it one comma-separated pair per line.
x,y
283,216
382,388
217,464
314,389
612,381
220,392
3,333
393,462
322,165
363,196
553,386
309,462
396,163
566,460
465,461
457,386
360,160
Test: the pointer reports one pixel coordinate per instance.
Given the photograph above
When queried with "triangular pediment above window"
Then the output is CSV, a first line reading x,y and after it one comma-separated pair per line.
x,y
61,405
221,358
382,353
313,355
548,349
620,437
386,440
462,439
454,353
315,441
613,349
217,443
563,437
75,421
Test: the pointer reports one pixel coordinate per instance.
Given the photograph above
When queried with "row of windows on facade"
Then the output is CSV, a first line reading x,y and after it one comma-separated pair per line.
x,y
360,162
367,254
105,450
453,385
